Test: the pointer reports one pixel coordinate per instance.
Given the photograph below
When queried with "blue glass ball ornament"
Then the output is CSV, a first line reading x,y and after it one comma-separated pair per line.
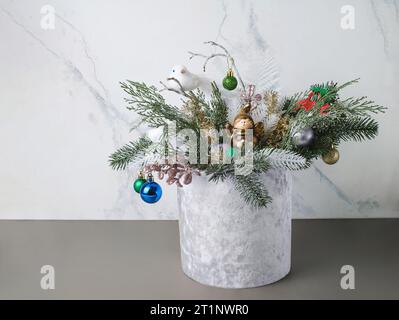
x,y
151,191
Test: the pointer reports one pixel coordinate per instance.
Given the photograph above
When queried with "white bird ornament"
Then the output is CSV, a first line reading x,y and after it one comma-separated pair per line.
x,y
188,80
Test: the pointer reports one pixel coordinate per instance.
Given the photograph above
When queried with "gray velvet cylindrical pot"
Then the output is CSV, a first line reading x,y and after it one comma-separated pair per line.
x,y
226,243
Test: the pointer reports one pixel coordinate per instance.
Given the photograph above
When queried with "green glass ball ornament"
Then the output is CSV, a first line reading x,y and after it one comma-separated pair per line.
x,y
230,81
138,184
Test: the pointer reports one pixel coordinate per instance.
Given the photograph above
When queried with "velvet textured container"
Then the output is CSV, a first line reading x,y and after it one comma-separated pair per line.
x,y
226,243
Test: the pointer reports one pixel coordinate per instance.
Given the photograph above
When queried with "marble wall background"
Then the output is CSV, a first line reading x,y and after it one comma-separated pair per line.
x,y
62,111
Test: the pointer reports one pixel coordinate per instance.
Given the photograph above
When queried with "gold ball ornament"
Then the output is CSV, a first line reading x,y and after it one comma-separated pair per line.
x,y
331,157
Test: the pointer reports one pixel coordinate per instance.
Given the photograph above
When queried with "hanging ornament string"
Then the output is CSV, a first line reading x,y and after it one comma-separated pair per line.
x,y
228,63
231,63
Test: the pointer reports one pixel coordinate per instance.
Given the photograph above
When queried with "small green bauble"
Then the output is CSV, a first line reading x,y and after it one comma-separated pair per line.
x,y
138,184
230,82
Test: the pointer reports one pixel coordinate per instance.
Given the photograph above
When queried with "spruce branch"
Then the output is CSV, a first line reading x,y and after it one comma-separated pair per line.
x,y
261,164
291,103
330,94
252,190
250,186
328,130
128,153
359,107
348,83
280,158
219,172
355,128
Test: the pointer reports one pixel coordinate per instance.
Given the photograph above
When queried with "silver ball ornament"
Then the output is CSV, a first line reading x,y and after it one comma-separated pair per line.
x,y
303,137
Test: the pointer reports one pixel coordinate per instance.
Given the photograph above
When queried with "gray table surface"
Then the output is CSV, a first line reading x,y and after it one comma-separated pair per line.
x,y
140,260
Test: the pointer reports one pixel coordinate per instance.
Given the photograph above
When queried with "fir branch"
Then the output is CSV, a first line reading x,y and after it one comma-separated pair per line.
x,y
330,130
355,128
331,95
348,83
326,86
291,103
261,164
219,172
332,89
358,107
128,153
280,158
252,190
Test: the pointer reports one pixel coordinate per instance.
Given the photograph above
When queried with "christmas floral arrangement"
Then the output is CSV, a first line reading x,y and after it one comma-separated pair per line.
x,y
267,130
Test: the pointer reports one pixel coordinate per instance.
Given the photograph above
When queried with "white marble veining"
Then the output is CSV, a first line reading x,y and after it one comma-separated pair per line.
x,y
62,111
